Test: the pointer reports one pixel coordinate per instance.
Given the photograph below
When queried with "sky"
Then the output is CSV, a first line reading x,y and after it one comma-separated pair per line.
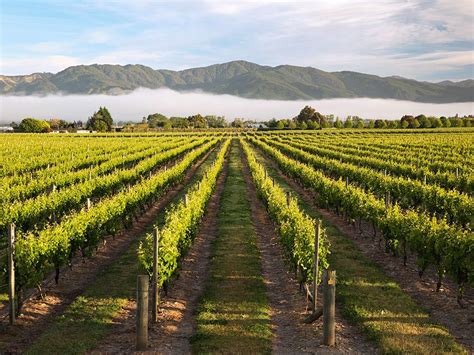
x,y
419,39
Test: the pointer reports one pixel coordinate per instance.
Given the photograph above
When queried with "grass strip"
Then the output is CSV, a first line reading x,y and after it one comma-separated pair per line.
x,y
233,315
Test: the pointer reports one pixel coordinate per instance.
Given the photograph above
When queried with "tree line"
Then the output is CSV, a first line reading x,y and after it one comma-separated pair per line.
x,y
308,118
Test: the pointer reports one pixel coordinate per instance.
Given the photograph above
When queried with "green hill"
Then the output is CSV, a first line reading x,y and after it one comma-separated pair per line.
x,y
239,78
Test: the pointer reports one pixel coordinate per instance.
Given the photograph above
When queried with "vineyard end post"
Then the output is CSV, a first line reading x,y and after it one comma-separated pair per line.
x,y
155,290
11,272
317,236
329,305
142,312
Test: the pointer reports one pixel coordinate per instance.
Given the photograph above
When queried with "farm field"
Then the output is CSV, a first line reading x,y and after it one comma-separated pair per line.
x,y
236,214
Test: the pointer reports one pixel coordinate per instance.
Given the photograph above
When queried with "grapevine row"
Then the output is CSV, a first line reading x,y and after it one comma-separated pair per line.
x,y
30,213
181,222
457,207
295,228
446,180
434,242
45,179
53,247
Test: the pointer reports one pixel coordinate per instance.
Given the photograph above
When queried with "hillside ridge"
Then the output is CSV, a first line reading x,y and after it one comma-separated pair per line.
x,y
238,78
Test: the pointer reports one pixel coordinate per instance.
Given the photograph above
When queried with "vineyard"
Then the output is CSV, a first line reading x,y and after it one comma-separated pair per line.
x,y
239,233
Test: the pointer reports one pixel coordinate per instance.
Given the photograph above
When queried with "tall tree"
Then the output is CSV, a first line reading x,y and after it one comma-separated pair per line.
x,y
156,120
100,121
32,125
197,121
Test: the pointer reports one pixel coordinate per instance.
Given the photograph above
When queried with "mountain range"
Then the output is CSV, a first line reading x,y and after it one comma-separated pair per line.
x,y
239,78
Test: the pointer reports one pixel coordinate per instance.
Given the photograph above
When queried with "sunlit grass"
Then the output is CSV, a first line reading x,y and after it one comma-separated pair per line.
x,y
233,315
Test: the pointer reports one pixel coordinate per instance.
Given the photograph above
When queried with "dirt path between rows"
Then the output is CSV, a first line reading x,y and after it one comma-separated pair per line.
x,y
176,324
442,306
38,314
288,304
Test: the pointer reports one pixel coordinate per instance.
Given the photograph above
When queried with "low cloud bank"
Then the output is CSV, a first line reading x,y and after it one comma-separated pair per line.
x,y
133,106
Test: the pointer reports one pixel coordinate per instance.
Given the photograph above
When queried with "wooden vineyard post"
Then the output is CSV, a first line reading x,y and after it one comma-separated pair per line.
x,y
387,200
347,182
317,236
457,172
88,204
288,199
155,280
142,312
11,272
329,311
186,200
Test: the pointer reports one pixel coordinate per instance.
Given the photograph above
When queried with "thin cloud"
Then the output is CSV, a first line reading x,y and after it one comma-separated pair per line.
x,y
142,102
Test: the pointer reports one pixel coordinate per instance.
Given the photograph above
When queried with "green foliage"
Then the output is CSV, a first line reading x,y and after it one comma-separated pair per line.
x,y
313,125
296,229
303,125
308,114
456,122
238,123
157,120
54,246
197,121
179,122
338,123
35,212
436,242
380,124
181,223
216,121
32,125
100,121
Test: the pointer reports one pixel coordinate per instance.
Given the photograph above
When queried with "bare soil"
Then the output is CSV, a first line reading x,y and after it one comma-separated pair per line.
x,y
288,304
442,306
37,314
176,324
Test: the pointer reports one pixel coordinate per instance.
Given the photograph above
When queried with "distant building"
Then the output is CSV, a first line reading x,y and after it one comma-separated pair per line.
x,y
257,125
6,129
85,131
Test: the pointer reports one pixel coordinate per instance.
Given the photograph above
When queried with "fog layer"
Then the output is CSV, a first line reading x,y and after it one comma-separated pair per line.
x,y
133,106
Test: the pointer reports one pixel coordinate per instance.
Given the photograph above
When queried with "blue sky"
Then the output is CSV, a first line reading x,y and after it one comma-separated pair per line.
x,y
424,40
